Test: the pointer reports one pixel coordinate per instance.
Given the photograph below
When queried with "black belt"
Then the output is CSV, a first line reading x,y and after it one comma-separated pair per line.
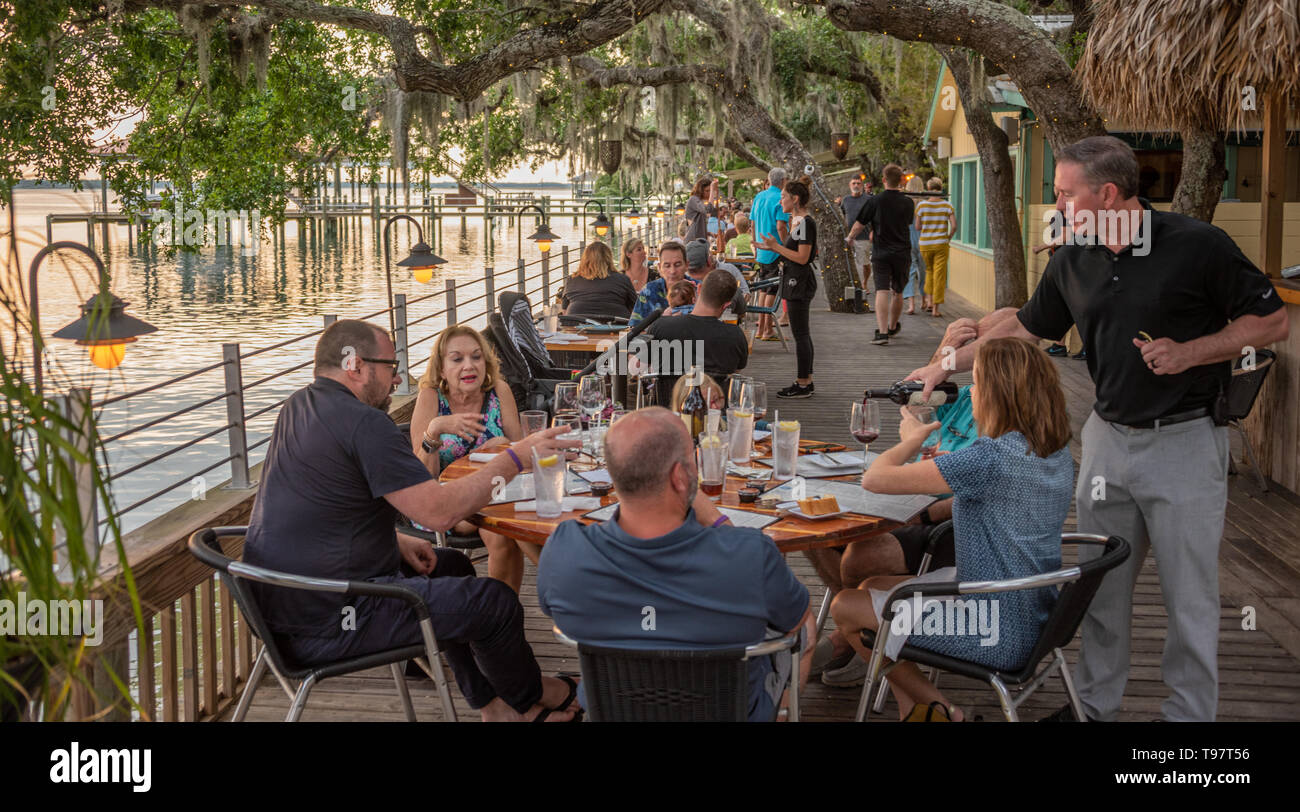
x,y
1171,419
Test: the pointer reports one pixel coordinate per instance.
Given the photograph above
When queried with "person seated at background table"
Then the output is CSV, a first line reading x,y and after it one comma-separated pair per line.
x,y
725,347
700,263
681,298
899,551
596,290
634,264
711,585
337,473
463,405
1011,489
743,243
654,296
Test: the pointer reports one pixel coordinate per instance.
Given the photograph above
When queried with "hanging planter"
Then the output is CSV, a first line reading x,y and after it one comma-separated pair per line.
x,y
611,155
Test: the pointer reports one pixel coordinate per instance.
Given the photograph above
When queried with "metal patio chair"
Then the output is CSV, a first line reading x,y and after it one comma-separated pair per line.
x,y
206,547
1079,584
676,685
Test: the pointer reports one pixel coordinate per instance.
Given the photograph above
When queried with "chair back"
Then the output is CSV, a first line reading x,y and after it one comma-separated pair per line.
x,y
625,685
1073,599
514,367
1246,383
206,547
517,313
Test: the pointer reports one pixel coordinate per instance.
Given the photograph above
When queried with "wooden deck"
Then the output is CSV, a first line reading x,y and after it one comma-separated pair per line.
x,y
1259,670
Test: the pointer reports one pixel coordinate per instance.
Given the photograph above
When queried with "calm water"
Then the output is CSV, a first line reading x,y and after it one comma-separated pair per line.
x,y
199,301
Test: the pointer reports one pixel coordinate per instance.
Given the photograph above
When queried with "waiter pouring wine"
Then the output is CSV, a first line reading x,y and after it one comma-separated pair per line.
x,y
1163,309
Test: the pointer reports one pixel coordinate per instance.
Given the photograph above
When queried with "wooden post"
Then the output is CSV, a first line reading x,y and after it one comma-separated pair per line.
x,y
1273,191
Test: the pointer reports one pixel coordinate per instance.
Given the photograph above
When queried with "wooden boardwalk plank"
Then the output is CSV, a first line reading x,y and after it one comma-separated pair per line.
x,y
1259,679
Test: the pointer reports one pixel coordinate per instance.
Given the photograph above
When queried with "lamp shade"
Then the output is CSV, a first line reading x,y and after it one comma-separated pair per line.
x,y
115,328
681,209
611,155
839,145
543,236
602,225
421,261
659,212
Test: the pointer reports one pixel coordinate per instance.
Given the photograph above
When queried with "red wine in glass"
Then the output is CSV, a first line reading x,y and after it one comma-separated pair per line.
x,y
864,424
865,437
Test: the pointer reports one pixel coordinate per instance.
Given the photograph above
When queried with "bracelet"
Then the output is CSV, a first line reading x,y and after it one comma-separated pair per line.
x,y
515,457
719,521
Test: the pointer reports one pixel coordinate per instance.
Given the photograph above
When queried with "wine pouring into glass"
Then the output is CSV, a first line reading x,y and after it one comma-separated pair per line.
x,y
864,423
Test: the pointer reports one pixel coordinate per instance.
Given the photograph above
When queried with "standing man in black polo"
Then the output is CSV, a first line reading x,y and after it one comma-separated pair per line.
x,y
337,473
1164,303
888,215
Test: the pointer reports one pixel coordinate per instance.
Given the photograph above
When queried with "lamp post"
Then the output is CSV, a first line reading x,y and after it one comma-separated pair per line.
x,y
601,224
104,326
633,216
543,236
421,261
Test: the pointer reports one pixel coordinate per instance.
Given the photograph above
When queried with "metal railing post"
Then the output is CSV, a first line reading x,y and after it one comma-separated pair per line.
x,y
564,263
452,318
546,278
235,417
489,290
522,283
76,407
401,344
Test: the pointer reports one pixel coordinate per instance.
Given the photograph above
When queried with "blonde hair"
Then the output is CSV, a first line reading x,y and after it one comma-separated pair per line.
x,y
597,262
1008,368
432,378
916,184
934,184
628,247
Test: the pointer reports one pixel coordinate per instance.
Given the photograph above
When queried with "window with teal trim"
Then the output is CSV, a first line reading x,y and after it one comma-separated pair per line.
x,y
966,200
983,240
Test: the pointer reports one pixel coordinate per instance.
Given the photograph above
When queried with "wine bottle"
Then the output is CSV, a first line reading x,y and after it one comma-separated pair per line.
x,y
908,393
694,410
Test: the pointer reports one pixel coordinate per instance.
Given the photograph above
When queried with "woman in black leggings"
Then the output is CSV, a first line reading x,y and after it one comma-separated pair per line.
x,y
798,280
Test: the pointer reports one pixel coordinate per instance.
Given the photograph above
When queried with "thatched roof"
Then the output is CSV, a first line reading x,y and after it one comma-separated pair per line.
x,y
1186,63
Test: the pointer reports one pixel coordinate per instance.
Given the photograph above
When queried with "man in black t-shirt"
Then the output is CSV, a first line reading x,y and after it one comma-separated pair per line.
x,y
888,215
725,347
1164,304
337,473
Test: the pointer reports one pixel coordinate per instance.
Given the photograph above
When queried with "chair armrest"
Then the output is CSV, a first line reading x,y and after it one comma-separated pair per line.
x,y
764,284
309,583
789,641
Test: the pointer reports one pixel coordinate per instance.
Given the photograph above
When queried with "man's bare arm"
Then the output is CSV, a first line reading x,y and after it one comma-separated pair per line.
x,y
1165,356
963,358
440,506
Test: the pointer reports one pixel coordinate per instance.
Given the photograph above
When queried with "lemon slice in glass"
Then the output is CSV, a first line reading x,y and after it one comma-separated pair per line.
x,y
547,462
710,441
744,415
788,425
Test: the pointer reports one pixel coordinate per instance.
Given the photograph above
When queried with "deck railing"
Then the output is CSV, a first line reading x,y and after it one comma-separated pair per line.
x,y
195,653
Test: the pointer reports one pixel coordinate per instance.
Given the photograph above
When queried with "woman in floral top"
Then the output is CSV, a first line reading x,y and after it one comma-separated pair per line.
x,y
465,405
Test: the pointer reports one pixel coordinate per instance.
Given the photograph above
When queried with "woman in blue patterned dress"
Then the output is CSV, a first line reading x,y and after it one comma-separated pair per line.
x,y
464,405
1011,490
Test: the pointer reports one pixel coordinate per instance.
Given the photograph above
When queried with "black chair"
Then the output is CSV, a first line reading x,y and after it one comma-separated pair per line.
x,y
1242,392
517,316
1079,584
452,539
530,391
206,547
676,685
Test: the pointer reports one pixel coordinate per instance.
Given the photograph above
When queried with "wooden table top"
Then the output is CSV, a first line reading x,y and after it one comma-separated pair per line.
x,y
791,533
591,342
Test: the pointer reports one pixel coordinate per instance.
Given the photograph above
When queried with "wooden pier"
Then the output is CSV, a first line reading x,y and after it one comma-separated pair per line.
x,y
1259,670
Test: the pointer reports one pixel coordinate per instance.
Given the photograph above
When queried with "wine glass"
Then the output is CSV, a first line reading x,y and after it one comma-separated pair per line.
x,y
591,396
566,397
864,423
756,396
925,416
647,392
736,389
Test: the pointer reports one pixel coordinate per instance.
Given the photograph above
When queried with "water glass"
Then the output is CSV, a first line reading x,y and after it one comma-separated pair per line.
x,y
549,473
785,449
755,396
532,421
736,389
740,427
572,421
930,445
713,463
566,397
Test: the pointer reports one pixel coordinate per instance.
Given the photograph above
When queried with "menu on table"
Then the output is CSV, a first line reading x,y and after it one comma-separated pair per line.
x,y
853,498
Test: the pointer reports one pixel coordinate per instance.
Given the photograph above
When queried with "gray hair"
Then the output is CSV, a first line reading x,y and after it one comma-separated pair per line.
x,y
776,176
1104,159
640,465
343,340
